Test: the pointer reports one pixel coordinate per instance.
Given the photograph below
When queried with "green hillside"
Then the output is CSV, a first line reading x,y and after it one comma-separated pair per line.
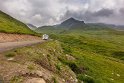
x,y
86,27
99,52
72,24
50,29
92,58
95,54
10,25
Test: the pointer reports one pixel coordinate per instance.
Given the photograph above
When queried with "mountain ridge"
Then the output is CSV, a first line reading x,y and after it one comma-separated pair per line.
x,y
71,22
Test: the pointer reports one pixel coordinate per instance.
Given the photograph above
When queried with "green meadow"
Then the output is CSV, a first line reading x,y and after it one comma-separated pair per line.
x,y
99,54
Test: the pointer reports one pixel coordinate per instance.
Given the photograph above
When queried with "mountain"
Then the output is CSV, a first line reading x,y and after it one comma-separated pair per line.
x,y
31,26
68,24
119,27
9,24
71,22
88,53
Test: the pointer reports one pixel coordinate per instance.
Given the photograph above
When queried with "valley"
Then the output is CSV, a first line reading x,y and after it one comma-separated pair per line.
x,y
76,52
98,49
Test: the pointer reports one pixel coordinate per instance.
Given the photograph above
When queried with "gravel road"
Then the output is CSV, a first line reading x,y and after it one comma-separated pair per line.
x,y
11,45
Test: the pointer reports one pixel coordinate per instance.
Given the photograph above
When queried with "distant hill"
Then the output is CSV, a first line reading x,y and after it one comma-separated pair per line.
x,y
116,27
31,26
73,24
119,27
9,24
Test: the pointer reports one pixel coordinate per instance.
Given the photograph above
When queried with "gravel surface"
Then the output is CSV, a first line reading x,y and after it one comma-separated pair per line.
x,y
11,45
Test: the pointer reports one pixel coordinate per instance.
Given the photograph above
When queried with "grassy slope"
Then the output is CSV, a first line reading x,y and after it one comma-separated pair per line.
x,y
95,52
99,51
11,25
90,65
50,30
95,62
43,55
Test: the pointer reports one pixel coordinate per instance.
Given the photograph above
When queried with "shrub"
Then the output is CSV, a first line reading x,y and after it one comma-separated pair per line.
x,y
119,54
86,79
16,79
31,67
10,55
58,66
1,79
54,80
74,67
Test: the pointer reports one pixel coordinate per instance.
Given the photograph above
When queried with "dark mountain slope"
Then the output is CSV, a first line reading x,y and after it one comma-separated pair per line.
x,y
73,25
71,22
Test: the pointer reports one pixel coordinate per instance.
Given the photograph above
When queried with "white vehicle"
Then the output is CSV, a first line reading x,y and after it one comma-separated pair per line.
x,y
45,37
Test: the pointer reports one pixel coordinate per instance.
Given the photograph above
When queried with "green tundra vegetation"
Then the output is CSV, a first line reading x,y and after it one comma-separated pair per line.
x,y
45,55
99,52
96,56
10,25
94,53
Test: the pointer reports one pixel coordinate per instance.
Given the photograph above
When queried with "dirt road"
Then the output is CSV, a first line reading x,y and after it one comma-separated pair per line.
x,y
11,45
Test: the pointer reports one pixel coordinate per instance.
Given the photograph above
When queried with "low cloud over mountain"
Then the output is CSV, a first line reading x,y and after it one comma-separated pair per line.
x,y
49,12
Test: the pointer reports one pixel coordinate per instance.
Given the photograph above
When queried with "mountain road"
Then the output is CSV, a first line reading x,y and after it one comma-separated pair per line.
x,y
11,45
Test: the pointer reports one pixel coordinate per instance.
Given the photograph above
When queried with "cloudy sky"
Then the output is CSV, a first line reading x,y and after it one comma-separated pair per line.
x,y
49,12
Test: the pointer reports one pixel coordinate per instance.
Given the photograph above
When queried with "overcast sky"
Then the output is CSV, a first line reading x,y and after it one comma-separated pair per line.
x,y
50,12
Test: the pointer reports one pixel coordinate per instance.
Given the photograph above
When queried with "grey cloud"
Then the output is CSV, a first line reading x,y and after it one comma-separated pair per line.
x,y
104,12
48,12
121,10
88,16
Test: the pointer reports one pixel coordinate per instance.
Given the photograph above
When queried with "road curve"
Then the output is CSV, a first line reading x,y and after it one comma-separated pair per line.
x,y
11,45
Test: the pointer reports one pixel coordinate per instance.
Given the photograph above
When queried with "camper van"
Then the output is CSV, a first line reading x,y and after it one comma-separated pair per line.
x,y
45,37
